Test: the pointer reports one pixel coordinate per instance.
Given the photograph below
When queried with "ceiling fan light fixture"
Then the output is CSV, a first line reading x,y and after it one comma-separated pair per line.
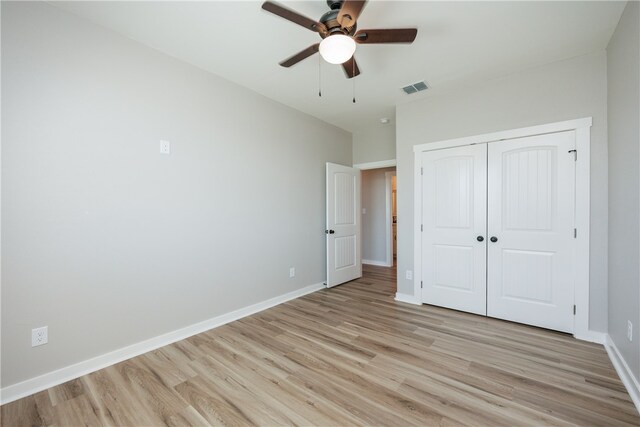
x,y
337,49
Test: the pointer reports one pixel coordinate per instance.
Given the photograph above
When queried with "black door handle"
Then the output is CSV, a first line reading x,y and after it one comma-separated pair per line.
x,y
329,231
480,238
494,239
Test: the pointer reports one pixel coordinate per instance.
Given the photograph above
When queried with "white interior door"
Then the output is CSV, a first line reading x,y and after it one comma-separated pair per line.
x,y
454,208
531,218
344,261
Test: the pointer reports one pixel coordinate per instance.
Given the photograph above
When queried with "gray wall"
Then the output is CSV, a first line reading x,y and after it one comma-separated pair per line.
x,y
107,241
564,90
374,144
374,222
623,75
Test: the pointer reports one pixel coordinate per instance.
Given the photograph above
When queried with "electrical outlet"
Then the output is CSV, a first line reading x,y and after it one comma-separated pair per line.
x,y
292,272
364,211
39,336
629,330
409,275
165,147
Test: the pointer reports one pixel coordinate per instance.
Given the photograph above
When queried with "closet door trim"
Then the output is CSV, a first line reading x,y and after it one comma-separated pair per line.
x,y
582,128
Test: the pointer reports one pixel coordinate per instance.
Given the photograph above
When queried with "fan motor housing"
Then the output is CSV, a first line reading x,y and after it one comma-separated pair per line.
x,y
330,20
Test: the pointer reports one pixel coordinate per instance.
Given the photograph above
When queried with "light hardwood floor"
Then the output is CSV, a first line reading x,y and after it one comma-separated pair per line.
x,y
348,356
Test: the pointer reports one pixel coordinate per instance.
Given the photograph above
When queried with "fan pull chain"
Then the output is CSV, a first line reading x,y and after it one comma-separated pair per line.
x,y
319,76
353,62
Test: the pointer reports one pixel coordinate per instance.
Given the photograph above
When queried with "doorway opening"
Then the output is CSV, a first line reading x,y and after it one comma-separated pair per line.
x,y
392,218
379,217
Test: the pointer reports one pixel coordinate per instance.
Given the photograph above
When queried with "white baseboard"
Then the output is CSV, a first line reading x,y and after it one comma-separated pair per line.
x,y
50,379
379,263
625,374
592,336
409,299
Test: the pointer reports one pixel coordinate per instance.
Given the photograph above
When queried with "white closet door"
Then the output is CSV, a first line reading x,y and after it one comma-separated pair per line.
x,y
531,218
454,206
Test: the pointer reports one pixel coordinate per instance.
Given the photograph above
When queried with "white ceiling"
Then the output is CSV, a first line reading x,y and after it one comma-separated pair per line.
x,y
458,43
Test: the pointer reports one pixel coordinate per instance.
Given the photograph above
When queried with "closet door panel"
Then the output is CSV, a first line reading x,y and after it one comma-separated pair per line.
x,y
454,215
531,216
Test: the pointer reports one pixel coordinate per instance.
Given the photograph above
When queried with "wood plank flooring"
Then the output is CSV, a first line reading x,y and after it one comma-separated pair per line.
x,y
350,355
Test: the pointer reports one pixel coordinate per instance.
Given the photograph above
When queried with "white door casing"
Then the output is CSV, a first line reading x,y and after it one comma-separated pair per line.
x,y
531,214
454,201
390,247
344,262
581,128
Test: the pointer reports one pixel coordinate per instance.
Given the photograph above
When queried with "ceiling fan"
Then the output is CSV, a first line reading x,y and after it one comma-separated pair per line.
x,y
337,28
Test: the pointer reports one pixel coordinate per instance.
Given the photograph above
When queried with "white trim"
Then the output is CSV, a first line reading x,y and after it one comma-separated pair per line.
x,y
406,298
376,165
50,379
582,216
372,262
389,216
417,224
592,336
582,224
625,374
506,134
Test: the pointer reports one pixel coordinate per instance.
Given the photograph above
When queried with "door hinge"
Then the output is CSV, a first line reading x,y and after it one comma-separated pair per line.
x,y
421,227
575,233
574,309
575,155
421,171
420,284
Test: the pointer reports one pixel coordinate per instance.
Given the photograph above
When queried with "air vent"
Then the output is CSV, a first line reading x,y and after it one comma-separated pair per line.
x,y
416,87
409,89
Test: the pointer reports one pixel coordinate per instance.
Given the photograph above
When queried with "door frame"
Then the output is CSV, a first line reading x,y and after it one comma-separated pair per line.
x,y
389,216
582,128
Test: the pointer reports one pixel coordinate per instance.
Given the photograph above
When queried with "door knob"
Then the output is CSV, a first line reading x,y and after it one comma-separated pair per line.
x,y
480,238
494,239
329,231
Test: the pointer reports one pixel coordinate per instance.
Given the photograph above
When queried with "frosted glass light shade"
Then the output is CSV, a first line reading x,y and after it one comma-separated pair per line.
x,y
337,49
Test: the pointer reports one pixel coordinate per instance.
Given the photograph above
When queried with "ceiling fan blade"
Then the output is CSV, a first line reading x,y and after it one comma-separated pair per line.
x,y
294,17
351,68
300,55
350,11
398,35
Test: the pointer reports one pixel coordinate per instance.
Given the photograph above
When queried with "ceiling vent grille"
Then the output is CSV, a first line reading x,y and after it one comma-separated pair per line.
x,y
415,87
